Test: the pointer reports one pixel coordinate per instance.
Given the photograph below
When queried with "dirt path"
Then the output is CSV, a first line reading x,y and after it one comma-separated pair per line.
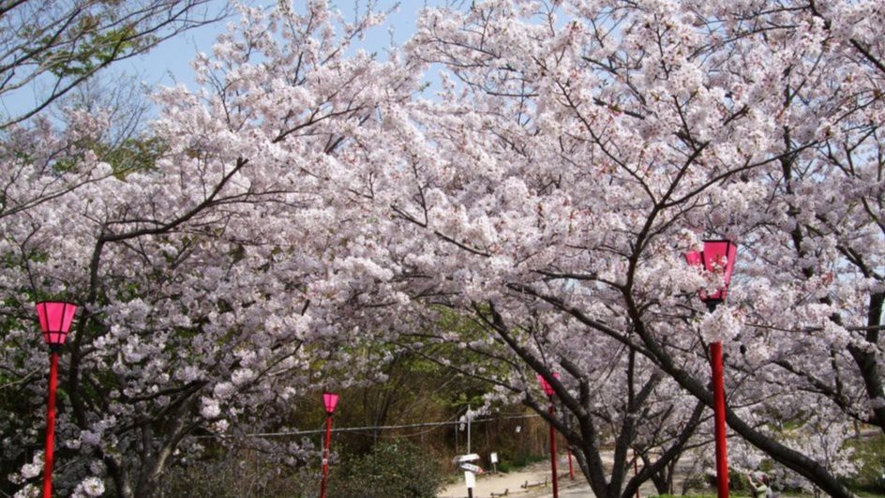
x,y
531,482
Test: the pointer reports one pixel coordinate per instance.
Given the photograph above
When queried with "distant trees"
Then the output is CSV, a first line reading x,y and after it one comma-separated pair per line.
x,y
49,48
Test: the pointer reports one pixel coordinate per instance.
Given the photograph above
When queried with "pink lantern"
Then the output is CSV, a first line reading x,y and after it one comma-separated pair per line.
x,y
55,320
330,401
548,389
717,257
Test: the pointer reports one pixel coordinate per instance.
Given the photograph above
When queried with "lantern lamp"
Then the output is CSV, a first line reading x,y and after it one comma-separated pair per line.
x,y
55,321
548,389
330,401
717,257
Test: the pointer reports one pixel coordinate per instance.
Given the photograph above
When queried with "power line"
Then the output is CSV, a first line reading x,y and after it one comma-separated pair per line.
x,y
422,425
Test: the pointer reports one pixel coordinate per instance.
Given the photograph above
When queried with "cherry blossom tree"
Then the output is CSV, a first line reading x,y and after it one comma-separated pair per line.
x,y
308,200
212,282
578,149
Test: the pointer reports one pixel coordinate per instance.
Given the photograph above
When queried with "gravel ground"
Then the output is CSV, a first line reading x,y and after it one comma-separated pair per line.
x,y
531,482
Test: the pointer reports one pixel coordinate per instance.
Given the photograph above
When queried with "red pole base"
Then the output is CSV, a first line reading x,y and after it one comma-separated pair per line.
x,y
719,418
553,455
50,426
326,455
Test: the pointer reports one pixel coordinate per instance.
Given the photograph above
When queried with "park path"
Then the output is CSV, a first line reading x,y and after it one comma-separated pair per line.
x,y
530,482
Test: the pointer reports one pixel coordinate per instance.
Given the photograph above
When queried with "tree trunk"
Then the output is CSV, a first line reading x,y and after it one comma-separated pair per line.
x,y
788,457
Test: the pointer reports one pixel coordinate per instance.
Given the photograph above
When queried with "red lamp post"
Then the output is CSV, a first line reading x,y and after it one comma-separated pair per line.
x,y
717,257
548,390
330,402
55,321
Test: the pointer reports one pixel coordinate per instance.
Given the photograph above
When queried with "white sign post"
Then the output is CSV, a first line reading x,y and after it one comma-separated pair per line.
x,y
470,479
494,459
470,470
470,457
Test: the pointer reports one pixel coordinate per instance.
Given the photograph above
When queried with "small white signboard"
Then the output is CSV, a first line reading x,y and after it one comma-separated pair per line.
x,y
493,458
470,479
470,457
471,468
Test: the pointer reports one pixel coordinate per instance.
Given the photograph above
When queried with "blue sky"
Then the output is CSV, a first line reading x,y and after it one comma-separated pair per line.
x,y
169,63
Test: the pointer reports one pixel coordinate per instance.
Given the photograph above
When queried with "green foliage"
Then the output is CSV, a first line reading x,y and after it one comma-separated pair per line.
x,y
869,456
239,474
129,156
396,468
89,48
51,48
521,461
132,155
693,496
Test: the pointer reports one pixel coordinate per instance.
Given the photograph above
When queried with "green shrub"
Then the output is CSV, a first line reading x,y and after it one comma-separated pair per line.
x,y
396,469
508,465
239,474
869,456
691,496
679,496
